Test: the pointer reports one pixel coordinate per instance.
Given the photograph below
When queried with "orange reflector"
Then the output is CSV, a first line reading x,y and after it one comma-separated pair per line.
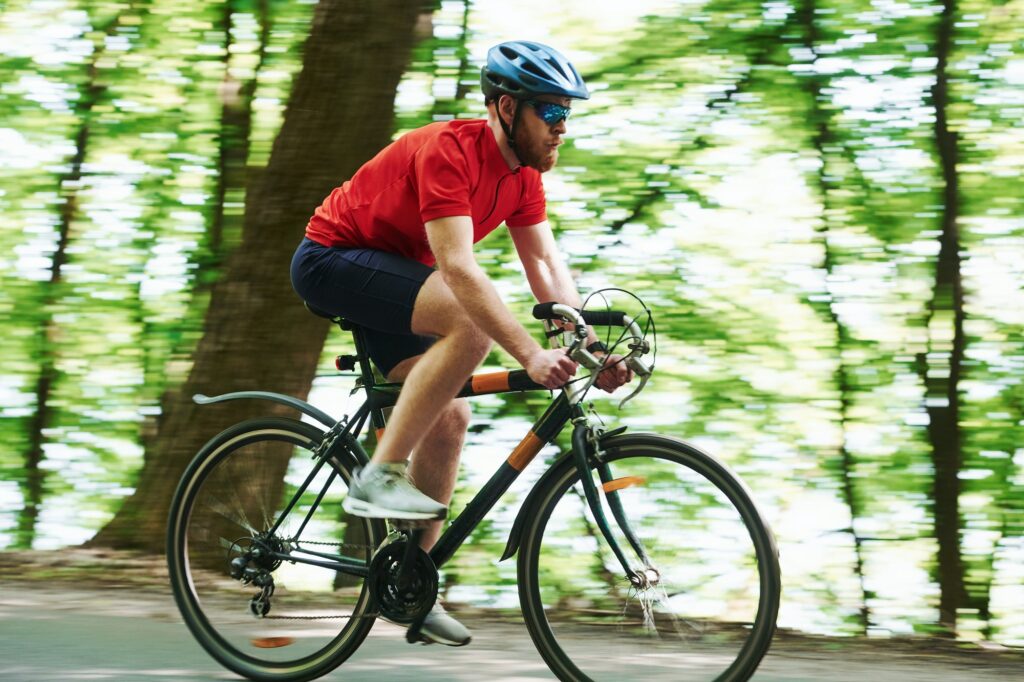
x,y
624,482
272,642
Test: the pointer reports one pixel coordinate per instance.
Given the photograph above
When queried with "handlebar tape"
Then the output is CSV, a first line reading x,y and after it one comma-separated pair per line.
x,y
616,318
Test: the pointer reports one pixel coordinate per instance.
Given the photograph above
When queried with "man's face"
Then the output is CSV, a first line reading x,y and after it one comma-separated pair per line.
x,y
537,142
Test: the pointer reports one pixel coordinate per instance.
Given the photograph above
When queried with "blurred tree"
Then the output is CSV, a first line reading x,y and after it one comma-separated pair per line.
x,y
256,333
235,124
819,115
941,367
90,93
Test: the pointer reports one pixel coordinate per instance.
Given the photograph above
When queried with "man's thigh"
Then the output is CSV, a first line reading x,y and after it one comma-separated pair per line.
x,y
373,289
437,312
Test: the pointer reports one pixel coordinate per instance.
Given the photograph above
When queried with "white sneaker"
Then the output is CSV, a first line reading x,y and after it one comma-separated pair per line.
x,y
383,491
440,628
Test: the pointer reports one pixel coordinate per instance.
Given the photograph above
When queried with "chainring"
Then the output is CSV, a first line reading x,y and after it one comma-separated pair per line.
x,y
408,603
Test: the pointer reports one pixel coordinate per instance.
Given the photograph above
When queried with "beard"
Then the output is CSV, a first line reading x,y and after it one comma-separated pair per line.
x,y
535,153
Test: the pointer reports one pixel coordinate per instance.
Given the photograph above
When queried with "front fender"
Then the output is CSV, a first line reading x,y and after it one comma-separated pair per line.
x,y
300,405
556,470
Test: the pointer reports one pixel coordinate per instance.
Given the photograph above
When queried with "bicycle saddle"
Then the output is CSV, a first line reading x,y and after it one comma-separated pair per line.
x,y
342,322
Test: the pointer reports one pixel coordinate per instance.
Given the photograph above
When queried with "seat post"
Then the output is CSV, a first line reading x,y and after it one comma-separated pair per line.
x,y
359,337
365,368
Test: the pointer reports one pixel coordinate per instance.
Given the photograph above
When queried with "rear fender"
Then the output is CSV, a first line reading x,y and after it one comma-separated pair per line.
x,y
300,405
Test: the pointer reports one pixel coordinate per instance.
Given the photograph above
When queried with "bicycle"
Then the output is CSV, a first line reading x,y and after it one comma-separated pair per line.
x,y
278,584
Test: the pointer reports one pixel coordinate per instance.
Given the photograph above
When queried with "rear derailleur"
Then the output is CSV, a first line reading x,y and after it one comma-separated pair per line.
x,y
255,567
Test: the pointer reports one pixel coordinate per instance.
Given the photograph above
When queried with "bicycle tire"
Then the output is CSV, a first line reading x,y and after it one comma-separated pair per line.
x,y
228,489
569,622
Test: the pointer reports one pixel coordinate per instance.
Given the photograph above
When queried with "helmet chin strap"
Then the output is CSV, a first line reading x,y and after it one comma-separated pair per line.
x,y
510,131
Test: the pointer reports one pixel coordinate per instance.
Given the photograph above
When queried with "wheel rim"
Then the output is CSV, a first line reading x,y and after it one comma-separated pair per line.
x,y
696,622
223,510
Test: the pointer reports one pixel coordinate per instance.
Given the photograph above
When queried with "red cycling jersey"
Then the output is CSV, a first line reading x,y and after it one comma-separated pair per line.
x,y
452,168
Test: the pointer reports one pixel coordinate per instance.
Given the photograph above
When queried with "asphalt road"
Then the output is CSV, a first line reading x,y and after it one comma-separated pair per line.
x,y
57,634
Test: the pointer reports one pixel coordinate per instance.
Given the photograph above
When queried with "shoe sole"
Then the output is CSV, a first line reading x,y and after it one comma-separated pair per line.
x,y
446,642
372,511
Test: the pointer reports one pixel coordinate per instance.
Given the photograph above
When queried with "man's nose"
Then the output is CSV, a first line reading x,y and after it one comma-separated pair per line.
x,y
559,127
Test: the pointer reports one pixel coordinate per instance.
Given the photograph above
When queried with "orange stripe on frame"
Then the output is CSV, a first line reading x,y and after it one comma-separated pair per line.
x,y
492,382
624,482
525,451
379,433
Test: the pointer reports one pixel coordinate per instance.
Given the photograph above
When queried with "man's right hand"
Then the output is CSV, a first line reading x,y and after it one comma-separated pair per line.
x,y
550,368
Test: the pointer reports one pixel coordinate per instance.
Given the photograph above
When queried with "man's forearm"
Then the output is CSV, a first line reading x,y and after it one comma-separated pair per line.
x,y
478,296
551,281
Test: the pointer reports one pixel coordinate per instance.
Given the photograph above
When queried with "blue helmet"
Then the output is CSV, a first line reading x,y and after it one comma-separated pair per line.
x,y
524,69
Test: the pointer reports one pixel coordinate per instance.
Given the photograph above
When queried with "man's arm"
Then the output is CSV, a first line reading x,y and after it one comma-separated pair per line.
x,y
546,270
451,241
550,280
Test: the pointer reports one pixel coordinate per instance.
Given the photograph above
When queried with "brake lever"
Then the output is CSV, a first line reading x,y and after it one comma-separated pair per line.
x,y
641,369
643,382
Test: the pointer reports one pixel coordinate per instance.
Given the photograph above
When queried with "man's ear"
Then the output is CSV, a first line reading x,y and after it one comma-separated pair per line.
x,y
506,108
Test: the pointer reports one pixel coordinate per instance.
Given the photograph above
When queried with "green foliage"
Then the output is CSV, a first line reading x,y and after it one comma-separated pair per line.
x,y
764,175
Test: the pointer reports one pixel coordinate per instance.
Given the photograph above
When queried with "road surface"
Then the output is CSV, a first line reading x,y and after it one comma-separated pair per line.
x,y
56,633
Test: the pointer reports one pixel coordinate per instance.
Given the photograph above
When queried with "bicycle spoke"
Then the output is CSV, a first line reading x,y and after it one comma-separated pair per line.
x,y
692,614
254,610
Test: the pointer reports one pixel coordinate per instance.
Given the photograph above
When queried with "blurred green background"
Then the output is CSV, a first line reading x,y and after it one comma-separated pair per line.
x,y
820,200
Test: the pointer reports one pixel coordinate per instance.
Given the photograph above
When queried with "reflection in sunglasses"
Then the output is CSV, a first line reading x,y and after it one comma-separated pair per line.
x,y
549,112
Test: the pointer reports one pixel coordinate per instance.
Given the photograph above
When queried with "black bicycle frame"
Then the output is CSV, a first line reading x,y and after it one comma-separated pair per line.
x,y
344,434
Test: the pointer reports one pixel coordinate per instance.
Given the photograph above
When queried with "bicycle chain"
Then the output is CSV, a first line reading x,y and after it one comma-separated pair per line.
x,y
342,545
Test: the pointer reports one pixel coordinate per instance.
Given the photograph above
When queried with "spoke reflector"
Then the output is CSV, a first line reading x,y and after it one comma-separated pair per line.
x,y
272,642
624,482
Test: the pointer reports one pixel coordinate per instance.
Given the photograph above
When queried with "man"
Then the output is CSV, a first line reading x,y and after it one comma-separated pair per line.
x,y
425,200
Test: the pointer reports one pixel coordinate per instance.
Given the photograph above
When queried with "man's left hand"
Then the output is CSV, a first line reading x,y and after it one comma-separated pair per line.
x,y
614,375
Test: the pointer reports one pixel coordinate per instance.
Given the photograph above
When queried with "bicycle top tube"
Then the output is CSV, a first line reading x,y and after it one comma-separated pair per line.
x,y
384,395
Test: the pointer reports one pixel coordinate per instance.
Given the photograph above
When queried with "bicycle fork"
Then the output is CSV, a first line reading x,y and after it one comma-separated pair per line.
x,y
584,446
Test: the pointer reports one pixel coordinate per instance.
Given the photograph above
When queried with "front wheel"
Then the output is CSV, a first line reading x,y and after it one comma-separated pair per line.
x,y
708,611
238,532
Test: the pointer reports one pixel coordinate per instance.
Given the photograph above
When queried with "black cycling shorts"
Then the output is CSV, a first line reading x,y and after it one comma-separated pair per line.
x,y
371,288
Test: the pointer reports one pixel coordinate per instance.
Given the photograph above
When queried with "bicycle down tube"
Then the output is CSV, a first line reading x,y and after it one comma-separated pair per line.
x,y
544,430
345,433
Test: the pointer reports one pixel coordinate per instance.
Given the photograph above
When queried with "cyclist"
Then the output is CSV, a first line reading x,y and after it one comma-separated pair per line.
x,y
370,254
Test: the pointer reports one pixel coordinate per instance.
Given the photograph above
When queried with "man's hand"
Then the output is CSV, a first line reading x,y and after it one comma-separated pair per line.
x,y
614,375
550,368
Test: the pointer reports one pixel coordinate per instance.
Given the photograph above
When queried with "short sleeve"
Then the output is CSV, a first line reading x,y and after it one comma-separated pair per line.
x,y
533,206
442,179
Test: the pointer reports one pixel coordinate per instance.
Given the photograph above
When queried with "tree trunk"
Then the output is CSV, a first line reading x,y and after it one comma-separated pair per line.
x,y
235,125
257,335
940,369
823,138
34,481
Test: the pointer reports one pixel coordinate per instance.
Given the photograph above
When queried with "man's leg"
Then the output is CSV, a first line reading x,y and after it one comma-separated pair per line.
x,y
435,463
437,375
437,433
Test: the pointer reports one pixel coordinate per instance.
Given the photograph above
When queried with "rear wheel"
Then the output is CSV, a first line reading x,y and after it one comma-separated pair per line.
x,y
709,610
262,616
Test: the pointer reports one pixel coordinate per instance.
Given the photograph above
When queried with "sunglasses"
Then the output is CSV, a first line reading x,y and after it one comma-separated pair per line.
x,y
549,112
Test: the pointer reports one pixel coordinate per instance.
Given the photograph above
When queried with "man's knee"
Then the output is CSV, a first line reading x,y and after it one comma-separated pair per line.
x,y
438,313
474,341
454,419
